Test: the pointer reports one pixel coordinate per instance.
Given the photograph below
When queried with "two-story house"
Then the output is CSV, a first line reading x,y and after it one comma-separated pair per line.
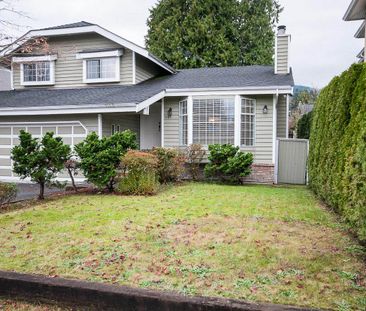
x,y
357,11
90,79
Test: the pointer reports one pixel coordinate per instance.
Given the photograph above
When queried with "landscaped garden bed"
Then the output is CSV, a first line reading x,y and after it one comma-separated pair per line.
x,y
258,243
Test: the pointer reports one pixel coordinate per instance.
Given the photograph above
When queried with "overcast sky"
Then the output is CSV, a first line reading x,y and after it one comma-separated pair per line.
x,y
322,43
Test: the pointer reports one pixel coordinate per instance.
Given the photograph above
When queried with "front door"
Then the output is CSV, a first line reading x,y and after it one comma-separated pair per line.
x,y
150,128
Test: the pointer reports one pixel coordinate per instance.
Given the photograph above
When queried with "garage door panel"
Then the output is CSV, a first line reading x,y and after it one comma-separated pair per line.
x,y
64,130
5,141
5,162
67,140
16,130
71,133
79,130
5,151
34,130
49,129
5,172
5,131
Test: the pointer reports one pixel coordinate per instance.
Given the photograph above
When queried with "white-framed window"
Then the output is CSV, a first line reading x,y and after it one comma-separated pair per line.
x,y
37,73
115,128
183,123
102,70
213,120
247,122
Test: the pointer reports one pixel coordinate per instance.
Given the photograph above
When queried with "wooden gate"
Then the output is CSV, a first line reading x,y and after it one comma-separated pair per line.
x,y
291,161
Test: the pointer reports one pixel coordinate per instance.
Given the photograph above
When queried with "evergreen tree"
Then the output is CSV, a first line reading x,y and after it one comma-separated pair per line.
x,y
40,161
209,33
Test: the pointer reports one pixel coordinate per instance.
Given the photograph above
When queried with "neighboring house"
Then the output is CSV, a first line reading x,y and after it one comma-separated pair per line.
x,y
357,11
5,79
90,79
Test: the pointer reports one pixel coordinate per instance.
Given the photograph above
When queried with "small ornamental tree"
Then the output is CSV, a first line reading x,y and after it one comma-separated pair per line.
x,y
100,158
227,162
40,161
304,125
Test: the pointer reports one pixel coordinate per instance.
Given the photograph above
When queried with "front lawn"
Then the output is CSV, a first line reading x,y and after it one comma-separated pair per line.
x,y
258,243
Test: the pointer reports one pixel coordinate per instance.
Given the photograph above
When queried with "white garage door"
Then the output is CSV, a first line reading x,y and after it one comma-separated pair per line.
x,y
72,133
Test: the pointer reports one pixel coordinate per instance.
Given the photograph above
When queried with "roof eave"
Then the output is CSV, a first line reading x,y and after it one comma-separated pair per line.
x,y
356,11
360,34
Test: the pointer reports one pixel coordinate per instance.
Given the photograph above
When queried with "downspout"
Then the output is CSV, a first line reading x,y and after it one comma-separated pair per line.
x,y
274,138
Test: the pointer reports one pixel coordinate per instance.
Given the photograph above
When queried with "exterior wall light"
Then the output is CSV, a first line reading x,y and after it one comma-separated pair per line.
x,y
170,112
265,109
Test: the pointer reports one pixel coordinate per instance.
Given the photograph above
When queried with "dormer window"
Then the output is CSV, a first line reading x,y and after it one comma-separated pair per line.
x,y
36,70
101,66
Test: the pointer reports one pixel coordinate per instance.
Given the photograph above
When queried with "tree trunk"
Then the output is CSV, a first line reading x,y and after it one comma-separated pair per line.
x,y
41,191
72,180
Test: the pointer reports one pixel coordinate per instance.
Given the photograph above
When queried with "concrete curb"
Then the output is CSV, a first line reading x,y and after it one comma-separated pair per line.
x,y
110,297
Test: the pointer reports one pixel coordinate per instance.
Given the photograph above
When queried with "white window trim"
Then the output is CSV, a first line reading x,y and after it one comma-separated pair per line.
x,y
117,77
38,83
254,122
42,58
180,115
88,55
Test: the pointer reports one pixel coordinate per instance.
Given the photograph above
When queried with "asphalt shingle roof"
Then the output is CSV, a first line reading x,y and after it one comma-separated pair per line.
x,y
72,25
249,76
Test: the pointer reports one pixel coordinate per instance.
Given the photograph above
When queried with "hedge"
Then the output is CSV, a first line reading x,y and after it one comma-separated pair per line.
x,y
337,160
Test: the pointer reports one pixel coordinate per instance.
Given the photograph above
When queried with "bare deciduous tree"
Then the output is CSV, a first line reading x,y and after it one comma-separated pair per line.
x,y
10,22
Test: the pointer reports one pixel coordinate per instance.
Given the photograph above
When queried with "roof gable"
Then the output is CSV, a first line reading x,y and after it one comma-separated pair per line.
x,y
82,28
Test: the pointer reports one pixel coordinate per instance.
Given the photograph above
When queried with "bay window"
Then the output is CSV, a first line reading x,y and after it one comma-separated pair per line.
x,y
183,123
247,122
213,121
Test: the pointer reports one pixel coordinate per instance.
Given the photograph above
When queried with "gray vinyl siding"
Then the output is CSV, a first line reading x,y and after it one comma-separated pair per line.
x,y
90,121
171,125
262,149
281,117
145,69
125,121
282,54
69,70
263,144
5,79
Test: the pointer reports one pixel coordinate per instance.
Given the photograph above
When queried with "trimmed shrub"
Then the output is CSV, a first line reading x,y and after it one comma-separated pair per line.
x,y
8,192
304,125
170,164
140,173
40,161
337,159
100,158
195,154
228,163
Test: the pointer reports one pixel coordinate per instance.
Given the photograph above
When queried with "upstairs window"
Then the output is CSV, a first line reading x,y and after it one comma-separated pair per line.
x,y
37,72
102,69
100,66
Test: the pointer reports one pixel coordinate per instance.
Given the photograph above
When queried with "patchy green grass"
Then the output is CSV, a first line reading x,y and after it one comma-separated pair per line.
x,y
258,243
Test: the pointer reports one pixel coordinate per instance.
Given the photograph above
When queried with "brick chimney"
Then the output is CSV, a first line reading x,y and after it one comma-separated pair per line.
x,y
282,65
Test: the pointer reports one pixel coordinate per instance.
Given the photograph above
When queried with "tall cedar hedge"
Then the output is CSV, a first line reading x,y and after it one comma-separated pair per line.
x,y
337,161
